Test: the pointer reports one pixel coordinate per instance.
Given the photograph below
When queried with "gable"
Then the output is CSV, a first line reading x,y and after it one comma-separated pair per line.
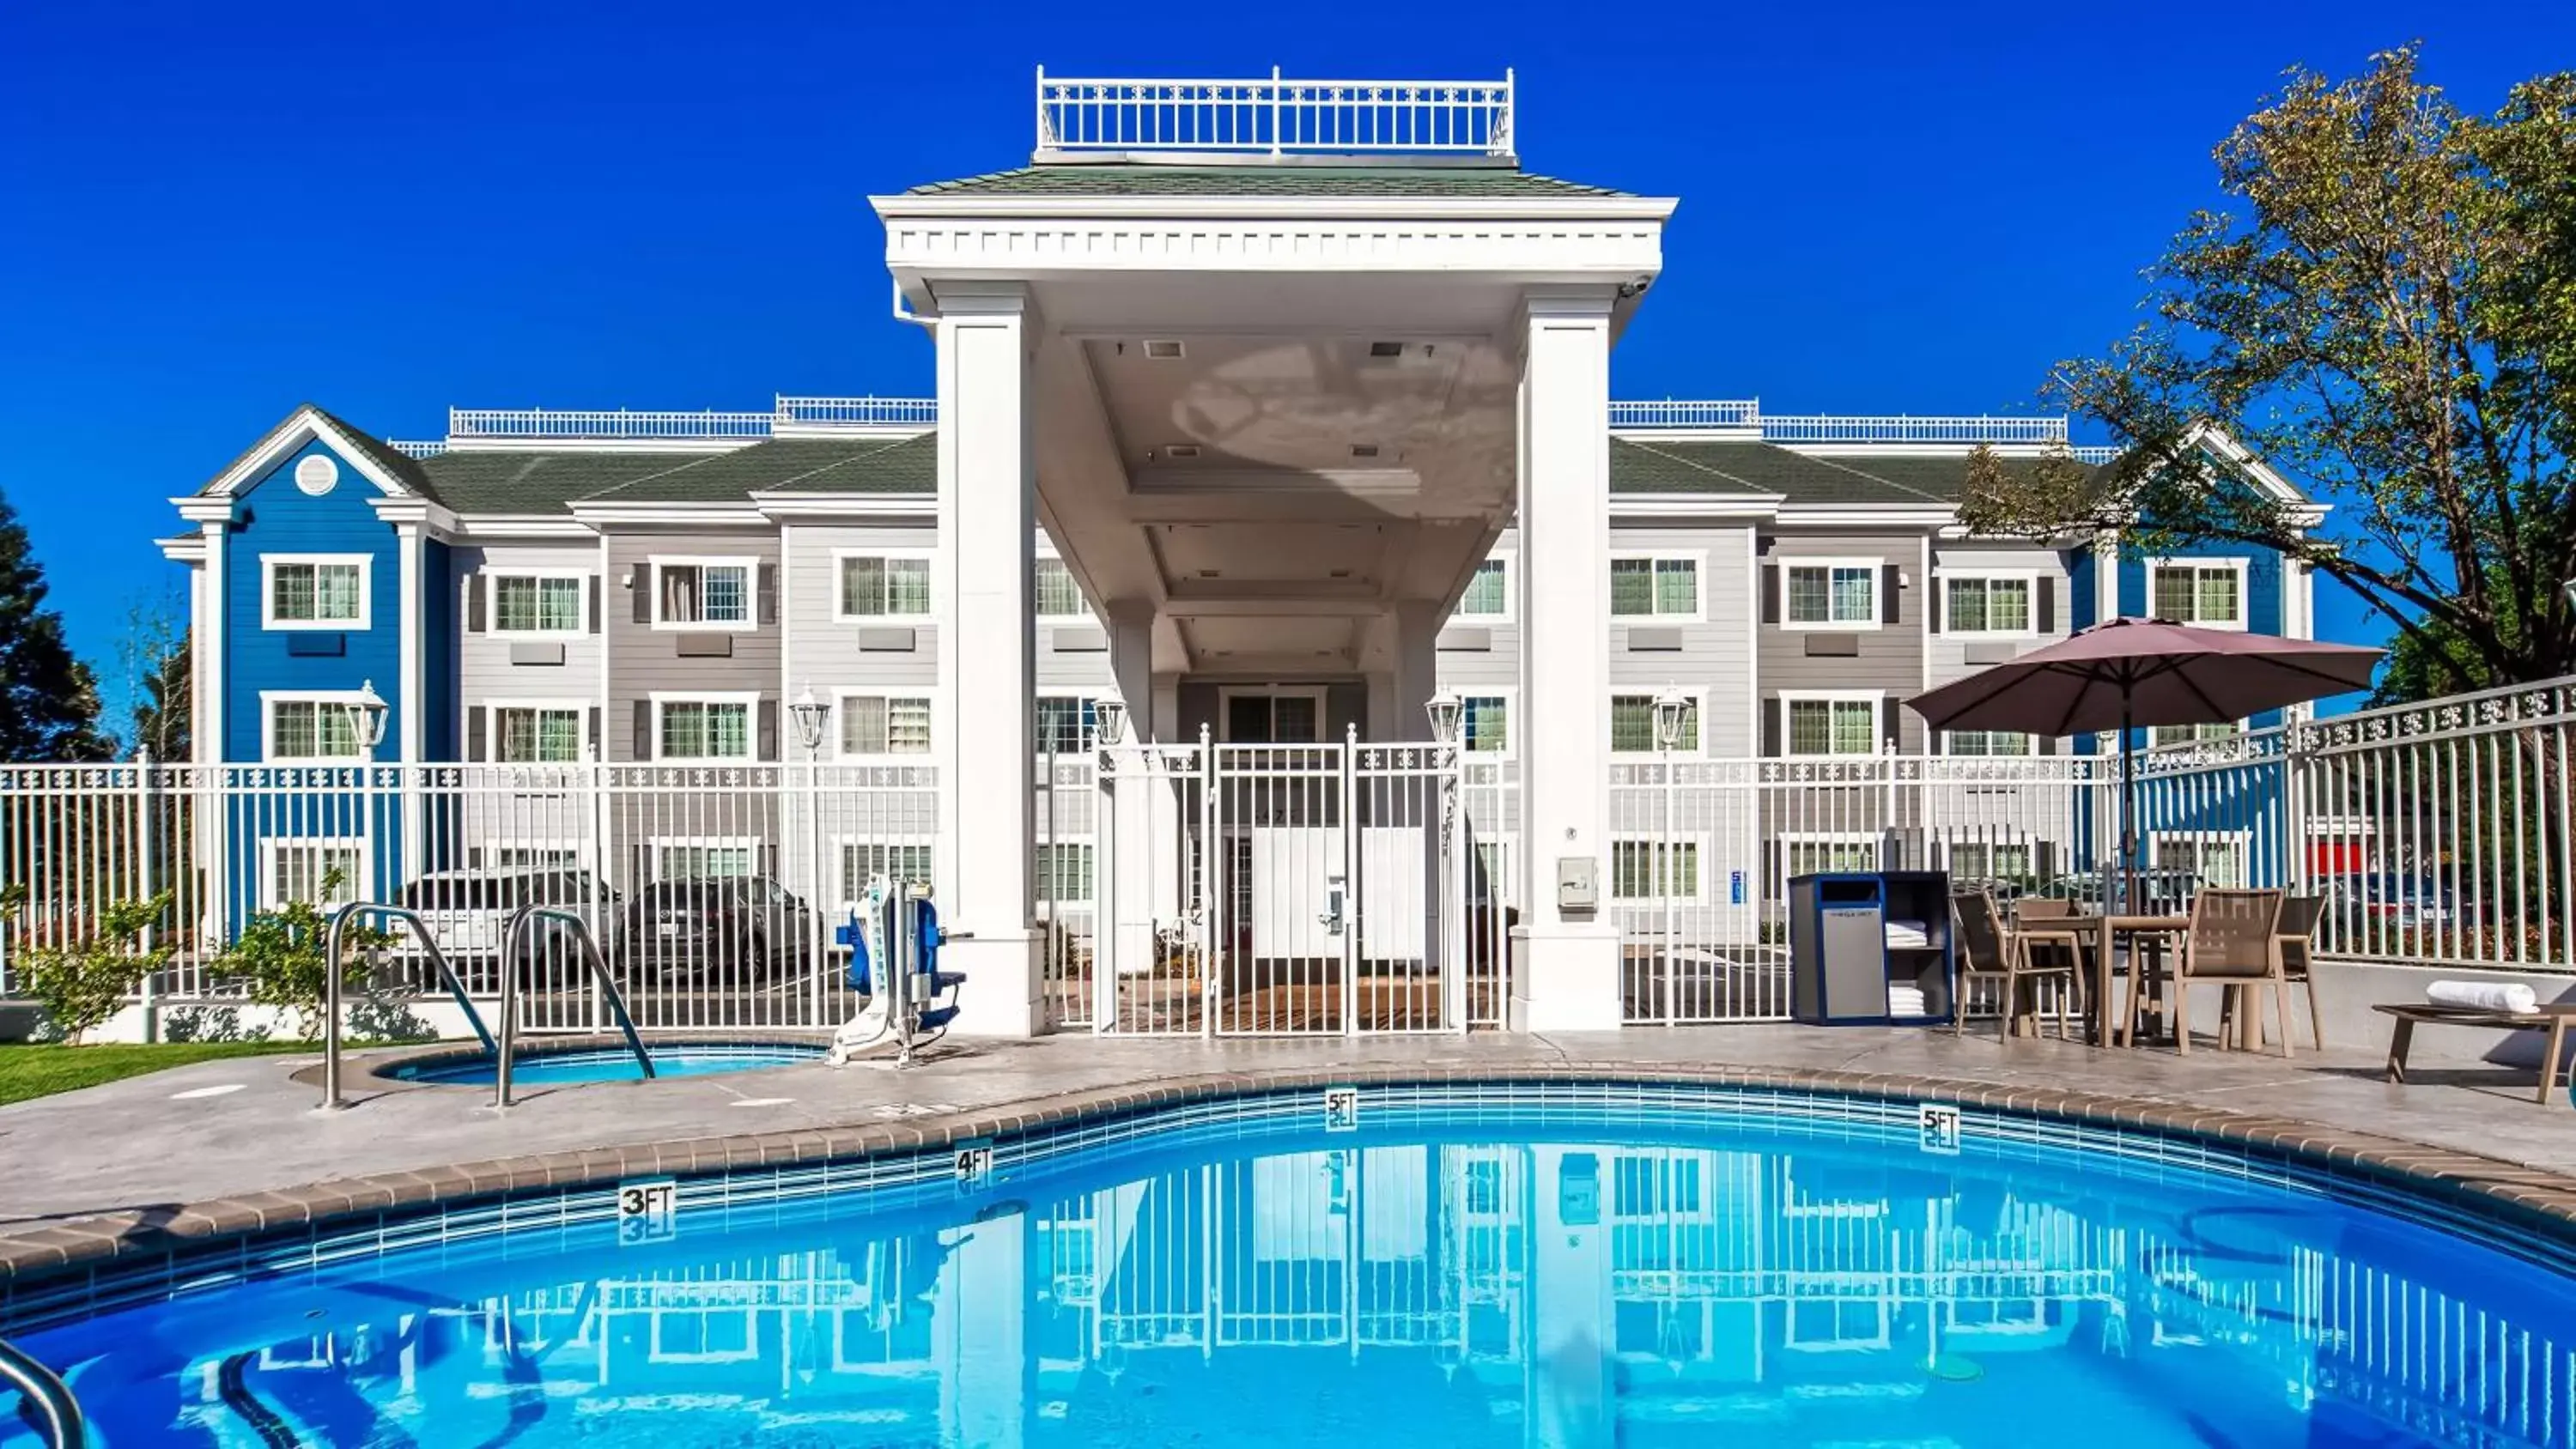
x,y
383,472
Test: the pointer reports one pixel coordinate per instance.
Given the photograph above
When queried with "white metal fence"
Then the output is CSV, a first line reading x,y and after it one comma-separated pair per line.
x,y
1274,114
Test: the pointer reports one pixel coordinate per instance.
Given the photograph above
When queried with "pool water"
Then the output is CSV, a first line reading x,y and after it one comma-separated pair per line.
x,y
610,1064
1689,1279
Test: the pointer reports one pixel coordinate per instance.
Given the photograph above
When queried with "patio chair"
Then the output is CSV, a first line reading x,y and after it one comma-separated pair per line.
x,y
2234,942
1991,949
2299,918
2032,916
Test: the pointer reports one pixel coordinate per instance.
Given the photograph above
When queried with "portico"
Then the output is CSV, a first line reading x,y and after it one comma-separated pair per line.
x,y
1274,397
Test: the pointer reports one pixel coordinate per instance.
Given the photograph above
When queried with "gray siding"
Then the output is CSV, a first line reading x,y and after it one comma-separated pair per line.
x,y
644,660
495,667
827,652
1953,656
1888,658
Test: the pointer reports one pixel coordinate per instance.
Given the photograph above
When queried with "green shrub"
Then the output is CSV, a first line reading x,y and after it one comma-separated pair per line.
x,y
281,954
83,984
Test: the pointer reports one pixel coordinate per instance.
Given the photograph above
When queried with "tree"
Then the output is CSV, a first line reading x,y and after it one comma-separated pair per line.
x,y
2391,318
154,656
48,698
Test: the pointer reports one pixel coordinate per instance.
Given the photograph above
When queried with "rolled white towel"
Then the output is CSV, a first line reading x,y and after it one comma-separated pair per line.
x,y
2484,995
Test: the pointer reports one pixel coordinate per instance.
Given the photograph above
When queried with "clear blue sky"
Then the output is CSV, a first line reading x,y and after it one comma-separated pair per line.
x,y
211,212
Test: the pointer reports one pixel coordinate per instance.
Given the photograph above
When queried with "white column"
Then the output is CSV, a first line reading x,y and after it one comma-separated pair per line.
x,y
1573,1388
1397,694
1565,962
987,656
209,678
1142,814
985,1376
414,703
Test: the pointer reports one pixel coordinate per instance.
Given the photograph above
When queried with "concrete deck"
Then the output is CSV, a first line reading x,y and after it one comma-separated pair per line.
x,y
233,1129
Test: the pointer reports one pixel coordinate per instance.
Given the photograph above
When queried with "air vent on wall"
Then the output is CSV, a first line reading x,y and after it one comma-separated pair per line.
x,y
1363,450
1386,349
1163,350
1182,450
315,474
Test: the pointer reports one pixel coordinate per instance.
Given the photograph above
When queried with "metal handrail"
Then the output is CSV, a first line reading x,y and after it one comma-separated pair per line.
x,y
591,957
331,987
54,1413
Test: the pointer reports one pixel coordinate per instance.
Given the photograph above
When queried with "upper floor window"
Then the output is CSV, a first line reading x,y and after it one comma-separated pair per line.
x,y
703,729
885,724
1831,594
880,586
702,593
1648,586
1632,725
311,728
1489,592
1987,604
1987,742
537,603
2207,592
1058,596
1485,723
2193,734
1065,724
1832,724
536,734
315,591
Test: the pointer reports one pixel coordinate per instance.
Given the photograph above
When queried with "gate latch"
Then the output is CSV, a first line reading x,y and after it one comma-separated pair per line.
x,y
1331,919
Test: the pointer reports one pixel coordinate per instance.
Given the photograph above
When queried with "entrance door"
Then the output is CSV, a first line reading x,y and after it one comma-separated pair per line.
x,y
1272,715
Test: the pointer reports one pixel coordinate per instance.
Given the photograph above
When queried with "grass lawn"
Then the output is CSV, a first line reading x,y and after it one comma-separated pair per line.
x,y
41,1071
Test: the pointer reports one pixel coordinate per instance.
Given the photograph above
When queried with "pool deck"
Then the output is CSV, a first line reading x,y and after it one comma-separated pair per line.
x,y
144,1151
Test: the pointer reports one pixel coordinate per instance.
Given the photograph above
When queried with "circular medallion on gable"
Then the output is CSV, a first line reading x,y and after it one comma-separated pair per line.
x,y
316,475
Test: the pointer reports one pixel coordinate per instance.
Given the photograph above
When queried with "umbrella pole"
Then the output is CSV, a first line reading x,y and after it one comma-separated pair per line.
x,y
2128,809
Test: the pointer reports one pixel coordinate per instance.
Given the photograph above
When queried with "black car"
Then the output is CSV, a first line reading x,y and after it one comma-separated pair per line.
x,y
719,931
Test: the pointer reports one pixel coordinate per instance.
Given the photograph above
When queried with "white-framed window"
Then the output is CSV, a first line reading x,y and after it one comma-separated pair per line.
x,y
1287,714
900,862
2209,592
1830,724
879,586
1980,861
1067,724
323,727
1054,595
1488,598
519,853
703,727
315,590
2166,736
1990,604
2216,856
317,870
1987,742
1825,853
538,604
1649,868
877,724
698,857
1485,722
537,732
1632,723
705,593
1830,593
1655,585
1062,871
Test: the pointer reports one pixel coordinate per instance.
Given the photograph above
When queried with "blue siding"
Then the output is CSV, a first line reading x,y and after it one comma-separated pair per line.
x,y
437,608
276,517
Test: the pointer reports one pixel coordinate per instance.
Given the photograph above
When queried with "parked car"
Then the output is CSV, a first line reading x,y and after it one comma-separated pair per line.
x,y
2394,899
468,911
2158,892
719,931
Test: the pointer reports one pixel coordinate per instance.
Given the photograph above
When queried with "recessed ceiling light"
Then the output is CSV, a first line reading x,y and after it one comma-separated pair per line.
x,y
1182,450
1163,349
1363,450
1341,573
1386,349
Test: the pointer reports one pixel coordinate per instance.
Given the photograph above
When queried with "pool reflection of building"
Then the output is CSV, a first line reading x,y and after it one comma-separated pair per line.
x,y
1546,1295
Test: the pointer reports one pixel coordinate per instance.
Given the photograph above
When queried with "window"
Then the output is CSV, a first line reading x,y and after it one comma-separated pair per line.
x,y
2210,594
703,729
861,860
1987,742
1066,724
1833,595
316,591
534,857
676,859
1063,871
1489,592
1058,597
716,1336
1644,587
1829,854
1632,725
702,594
2192,734
2218,860
316,872
314,728
885,586
1485,723
537,603
1832,726
1285,716
1650,870
885,724
535,735
1976,861
1987,605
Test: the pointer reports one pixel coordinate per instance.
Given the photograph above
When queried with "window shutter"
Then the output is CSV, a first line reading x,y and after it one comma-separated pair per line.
x,y
1771,725
769,601
2044,744
475,594
478,738
594,608
594,732
768,726
1891,721
642,589
2044,613
1936,742
1891,608
643,729
1935,615
1771,595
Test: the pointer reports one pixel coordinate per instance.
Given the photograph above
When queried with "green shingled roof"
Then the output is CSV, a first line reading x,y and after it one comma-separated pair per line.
x,y
1130,180
542,482
1652,466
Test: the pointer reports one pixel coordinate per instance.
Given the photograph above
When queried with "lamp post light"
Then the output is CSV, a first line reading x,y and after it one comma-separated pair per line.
x,y
1672,711
369,710
1109,721
1447,714
810,713
1108,734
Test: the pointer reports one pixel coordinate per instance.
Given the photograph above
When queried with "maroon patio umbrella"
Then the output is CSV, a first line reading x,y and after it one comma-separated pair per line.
x,y
2145,672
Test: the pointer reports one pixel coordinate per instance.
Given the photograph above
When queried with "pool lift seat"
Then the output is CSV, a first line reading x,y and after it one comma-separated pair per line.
x,y
893,938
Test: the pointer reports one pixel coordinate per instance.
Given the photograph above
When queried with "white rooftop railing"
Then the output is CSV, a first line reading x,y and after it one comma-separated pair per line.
x,y
1902,428
417,448
857,411
1276,116
553,423
1669,413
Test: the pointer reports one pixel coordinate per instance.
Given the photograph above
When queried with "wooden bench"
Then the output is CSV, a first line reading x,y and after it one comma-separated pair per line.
x,y
2552,1018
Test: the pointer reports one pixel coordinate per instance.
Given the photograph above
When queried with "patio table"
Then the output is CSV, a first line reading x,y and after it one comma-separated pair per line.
x,y
2107,929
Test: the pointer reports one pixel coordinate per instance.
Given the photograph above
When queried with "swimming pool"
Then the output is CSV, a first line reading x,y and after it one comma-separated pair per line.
x,y
606,1064
1460,1266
